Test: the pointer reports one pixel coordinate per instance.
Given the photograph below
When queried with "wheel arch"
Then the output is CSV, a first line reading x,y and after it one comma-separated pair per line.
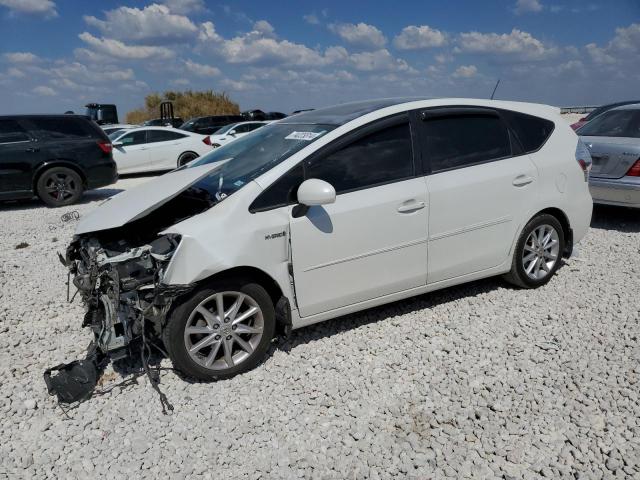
x,y
186,152
43,167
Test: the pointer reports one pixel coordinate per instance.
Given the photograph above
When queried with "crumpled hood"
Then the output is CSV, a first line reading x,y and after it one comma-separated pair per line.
x,y
137,202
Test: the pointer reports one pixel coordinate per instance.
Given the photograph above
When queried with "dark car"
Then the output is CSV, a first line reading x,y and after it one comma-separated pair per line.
x,y
604,108
159,122
211,124
55,157
275,116
254,115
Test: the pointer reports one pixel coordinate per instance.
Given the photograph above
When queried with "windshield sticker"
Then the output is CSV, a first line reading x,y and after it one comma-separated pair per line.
x,y
238,183
307,136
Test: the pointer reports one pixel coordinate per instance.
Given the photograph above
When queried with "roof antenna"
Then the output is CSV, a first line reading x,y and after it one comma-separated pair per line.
x,y
495,88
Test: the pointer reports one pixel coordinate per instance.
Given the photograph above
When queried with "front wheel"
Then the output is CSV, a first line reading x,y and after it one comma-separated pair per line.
x,y
538,252
220,330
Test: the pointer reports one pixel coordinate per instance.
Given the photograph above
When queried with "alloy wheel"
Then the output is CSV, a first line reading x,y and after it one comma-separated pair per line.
x,y
60,186
224,330
540,252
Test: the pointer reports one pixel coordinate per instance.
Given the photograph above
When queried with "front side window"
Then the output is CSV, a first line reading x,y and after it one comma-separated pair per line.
x,y
460,141
133,138
381,157
11,132
162,136
614,123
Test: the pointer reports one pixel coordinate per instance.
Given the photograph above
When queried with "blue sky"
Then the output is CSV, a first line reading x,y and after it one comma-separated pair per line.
x,y
57,55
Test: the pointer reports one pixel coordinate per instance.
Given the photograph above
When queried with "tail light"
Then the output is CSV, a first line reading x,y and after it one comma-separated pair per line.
x,y
634,171
583,157
106,147
206,140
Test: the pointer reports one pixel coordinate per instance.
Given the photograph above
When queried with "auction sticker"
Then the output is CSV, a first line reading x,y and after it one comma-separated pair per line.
x,y
307,136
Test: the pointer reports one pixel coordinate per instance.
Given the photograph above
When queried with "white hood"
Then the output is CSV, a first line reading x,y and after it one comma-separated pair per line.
x,y
137,202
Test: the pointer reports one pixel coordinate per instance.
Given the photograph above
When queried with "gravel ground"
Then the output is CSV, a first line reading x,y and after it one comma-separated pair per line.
x,y
480,381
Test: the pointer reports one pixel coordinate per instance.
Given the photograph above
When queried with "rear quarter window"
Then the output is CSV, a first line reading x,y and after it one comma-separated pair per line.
x,y
532,132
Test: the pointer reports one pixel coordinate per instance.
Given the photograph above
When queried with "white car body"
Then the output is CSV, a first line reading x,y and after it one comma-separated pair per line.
x,y
229,133
376,244
114,127
156,154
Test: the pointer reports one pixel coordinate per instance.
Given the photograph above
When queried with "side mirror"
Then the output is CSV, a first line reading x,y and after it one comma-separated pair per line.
x,y
232,133
118,144
316,192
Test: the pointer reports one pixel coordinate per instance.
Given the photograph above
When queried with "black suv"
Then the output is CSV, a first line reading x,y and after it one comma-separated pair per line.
x,y
209,125
55,157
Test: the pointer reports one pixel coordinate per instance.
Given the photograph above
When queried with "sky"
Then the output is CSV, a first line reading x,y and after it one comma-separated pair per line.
x,y
57,55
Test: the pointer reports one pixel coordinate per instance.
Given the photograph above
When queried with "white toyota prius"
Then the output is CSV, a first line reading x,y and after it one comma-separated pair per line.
x,y
326,213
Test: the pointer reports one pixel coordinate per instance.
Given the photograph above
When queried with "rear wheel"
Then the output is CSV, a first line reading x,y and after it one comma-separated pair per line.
x,y
538,252
59,186
220,330
186,157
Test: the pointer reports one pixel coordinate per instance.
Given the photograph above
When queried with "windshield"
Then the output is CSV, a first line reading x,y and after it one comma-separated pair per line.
x,y
614,123
255,153
115,134
225,129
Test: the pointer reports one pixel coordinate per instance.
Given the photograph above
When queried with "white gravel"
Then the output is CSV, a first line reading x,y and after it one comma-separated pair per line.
x,y
481,381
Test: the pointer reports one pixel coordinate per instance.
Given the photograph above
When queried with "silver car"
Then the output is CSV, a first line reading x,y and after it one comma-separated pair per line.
x,y
613,139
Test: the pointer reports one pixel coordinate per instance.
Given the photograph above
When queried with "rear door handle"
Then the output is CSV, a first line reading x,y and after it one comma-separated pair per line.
x,y
411,207
522,180
32,149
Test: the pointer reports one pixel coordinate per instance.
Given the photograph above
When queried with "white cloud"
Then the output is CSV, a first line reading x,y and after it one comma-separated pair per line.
x,y
118,49
153,24
516,44
311,19
21,57
528,6
208,33
201,70
180,82
264,28
45,8
465,71
183,7
44,91
359,35
377,61
15,73
419,37
624,47
236,85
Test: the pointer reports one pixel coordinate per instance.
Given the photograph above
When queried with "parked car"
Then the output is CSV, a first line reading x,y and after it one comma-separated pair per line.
x,y
56,157
613,140
295,112
594,113
254,115
327,213
211,124
275,116
234,131
163,122
148,149
109,129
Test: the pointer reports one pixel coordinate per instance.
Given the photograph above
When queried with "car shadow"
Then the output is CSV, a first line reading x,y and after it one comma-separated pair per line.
x,y
35,203
622,219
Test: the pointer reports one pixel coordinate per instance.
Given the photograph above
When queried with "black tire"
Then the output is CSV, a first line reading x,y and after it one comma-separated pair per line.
x,y
186,157
518,275
59,186
173,334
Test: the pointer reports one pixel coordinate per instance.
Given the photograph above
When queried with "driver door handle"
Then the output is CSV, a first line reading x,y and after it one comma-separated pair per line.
x,y
32,149
522,180
411,207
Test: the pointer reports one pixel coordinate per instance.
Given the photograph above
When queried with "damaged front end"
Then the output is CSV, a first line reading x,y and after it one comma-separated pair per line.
x,y
121,287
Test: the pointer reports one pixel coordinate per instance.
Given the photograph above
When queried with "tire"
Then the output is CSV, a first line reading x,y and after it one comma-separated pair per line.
x,y
59,186
186,157
220,354
534,263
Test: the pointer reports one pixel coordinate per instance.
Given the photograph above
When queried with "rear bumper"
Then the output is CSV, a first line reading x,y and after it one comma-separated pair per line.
x,y
623,191
102,175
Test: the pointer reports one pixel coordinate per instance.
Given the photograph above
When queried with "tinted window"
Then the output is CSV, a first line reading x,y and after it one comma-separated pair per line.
x,y
252,126
381,157
614,123
282,192
61,127
532,131
133,138
10,132
455,142
162,136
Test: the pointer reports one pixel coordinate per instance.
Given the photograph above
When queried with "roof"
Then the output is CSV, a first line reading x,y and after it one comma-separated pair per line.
x,y
628,106
345,112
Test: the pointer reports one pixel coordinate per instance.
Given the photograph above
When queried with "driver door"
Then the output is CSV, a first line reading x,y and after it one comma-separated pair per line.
x,y
131,152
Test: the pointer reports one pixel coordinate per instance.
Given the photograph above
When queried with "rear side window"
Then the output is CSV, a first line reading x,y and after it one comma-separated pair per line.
x,y
381,157
460,141
11,132
60,128
532,131
614,123
162,136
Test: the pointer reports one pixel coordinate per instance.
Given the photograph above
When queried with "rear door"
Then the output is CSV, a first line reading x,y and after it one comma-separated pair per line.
x,y
18,154
480,187
613,139
164,147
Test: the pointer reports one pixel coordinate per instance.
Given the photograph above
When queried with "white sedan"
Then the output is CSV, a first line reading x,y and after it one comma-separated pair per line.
x,y
149,149
229,133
